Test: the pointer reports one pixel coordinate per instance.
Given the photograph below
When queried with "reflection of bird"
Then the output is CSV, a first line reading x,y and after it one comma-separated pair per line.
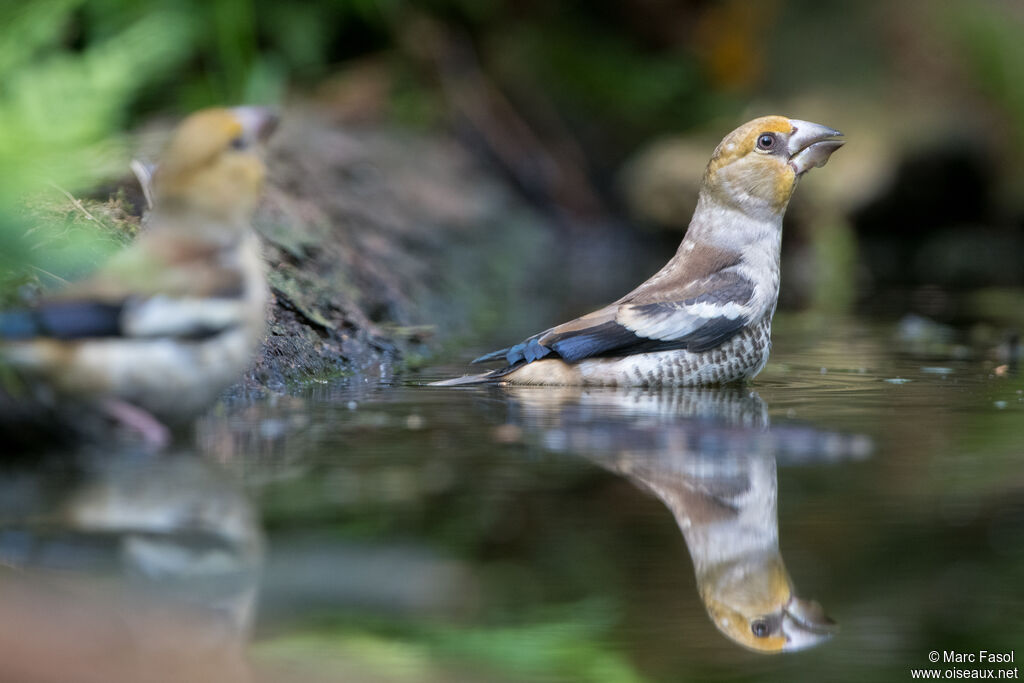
x,y
705,318
173,320
709,456
132,568
726,509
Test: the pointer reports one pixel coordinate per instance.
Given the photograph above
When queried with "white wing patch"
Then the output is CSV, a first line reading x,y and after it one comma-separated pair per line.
x,y
727,304
166,317
729,310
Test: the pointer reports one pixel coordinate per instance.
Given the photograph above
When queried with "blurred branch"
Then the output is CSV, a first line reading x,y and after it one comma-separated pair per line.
x,y
548,173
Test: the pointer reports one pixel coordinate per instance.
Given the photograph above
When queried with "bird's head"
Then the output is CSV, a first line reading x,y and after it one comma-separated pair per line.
x,y
752,602
756,167
211,167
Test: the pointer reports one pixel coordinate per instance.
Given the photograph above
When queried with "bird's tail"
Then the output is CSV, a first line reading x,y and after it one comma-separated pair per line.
x,y
482,378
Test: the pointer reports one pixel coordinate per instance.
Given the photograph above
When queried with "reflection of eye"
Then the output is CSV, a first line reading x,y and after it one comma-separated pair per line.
x,y
760,628
765,141
238,143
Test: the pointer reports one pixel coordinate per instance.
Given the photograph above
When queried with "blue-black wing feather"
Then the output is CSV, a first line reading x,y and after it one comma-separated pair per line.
x,y
63,320
611,339
525,352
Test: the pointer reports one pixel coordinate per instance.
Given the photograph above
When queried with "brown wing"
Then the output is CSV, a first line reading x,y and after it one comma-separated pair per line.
x,y
711,312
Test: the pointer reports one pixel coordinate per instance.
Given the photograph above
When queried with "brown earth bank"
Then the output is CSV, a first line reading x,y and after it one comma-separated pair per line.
x,y
382,245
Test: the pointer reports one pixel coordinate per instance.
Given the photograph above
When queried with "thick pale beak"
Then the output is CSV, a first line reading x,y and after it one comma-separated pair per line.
x,y
259,122
811,144
805,624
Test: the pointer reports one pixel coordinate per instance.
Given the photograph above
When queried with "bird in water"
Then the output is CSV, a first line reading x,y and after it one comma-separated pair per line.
x,y
174,319
705,317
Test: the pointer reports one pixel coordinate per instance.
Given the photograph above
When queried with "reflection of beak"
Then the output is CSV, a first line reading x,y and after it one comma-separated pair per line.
x,y
805,624
811,145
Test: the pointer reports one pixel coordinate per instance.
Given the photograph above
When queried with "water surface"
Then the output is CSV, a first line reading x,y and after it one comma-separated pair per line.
x,y
374,529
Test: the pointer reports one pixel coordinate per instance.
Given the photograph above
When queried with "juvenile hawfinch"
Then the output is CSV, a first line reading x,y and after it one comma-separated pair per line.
x,y
175,318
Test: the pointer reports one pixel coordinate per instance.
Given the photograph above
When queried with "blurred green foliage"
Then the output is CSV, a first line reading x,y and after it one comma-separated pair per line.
x,y
600,70
989,38
73,73
571,642
61,103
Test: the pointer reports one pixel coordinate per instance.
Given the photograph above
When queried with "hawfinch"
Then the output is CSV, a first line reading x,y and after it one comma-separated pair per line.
x,y
175,318
705,318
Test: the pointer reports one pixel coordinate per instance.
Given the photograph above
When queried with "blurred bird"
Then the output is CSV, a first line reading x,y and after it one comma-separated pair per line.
x,y
175,318
705,318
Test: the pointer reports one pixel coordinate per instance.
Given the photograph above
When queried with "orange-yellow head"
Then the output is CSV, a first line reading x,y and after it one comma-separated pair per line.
x,y
756,167
211,167
752,602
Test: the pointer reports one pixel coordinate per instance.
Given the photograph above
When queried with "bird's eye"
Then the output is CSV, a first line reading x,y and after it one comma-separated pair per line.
x,y
765,141
238,143
760,627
